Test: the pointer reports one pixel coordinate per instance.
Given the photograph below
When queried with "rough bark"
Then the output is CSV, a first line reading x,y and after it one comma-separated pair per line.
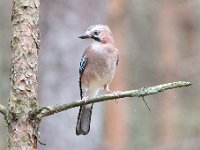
x,y
22,131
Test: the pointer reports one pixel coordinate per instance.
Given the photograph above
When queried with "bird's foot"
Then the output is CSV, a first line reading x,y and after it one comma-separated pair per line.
x,y
115,93
84,99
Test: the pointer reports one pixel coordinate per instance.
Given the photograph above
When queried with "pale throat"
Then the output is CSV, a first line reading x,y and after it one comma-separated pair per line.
x,y
97,46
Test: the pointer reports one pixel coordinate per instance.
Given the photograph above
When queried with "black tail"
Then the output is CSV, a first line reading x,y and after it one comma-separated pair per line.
x,y
84,119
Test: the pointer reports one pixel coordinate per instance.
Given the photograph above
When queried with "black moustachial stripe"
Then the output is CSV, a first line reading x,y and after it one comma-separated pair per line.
x,y
96,38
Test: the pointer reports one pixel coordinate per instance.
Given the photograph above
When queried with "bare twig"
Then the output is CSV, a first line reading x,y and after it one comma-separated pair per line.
x,y
146,103
3,110
47,111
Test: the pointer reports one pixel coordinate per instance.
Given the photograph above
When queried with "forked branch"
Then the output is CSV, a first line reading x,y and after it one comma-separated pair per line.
x,y
49,110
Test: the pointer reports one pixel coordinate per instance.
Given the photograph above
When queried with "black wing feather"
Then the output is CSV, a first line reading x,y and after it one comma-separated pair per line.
x,y
117,60
81,70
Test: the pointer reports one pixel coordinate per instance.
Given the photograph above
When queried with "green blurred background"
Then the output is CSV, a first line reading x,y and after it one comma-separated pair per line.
x,y
159,42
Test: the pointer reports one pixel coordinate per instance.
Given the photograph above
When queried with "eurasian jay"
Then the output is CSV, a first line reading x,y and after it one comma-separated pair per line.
x,y
97,69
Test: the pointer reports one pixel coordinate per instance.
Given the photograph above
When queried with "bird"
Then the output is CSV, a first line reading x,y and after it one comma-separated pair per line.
x,y
96,71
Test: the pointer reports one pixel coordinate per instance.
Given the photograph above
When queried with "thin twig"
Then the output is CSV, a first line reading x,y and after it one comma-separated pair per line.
x,y
49,110
146,103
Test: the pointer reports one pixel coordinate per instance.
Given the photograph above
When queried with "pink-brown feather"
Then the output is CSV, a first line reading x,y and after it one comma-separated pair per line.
x,y
102,58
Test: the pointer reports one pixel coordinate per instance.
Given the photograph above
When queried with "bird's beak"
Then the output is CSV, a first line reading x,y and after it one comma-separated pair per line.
x,y
84,36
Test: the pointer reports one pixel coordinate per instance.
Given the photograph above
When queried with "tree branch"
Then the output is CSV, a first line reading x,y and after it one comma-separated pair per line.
x,y
3,110
47,111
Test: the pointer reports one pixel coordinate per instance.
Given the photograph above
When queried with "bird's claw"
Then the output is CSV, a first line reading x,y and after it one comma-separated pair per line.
x,y
84,99
115,93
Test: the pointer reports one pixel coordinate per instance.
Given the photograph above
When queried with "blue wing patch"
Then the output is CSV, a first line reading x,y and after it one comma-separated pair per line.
x,y
83,64
81,70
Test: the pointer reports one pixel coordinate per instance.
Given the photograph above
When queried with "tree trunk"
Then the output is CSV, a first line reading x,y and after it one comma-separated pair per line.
x,y
116,128
169,58
23,77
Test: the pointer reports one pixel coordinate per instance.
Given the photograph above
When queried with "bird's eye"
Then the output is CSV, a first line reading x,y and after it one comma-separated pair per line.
x,y
96,32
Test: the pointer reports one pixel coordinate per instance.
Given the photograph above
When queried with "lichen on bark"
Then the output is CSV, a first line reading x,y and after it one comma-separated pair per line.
x,y
24,75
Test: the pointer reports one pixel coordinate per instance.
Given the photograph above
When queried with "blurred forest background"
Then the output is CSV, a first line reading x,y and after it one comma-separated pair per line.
x,y
159,42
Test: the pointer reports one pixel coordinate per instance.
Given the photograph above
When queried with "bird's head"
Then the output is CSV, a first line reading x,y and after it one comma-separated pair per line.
x,y
99,33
